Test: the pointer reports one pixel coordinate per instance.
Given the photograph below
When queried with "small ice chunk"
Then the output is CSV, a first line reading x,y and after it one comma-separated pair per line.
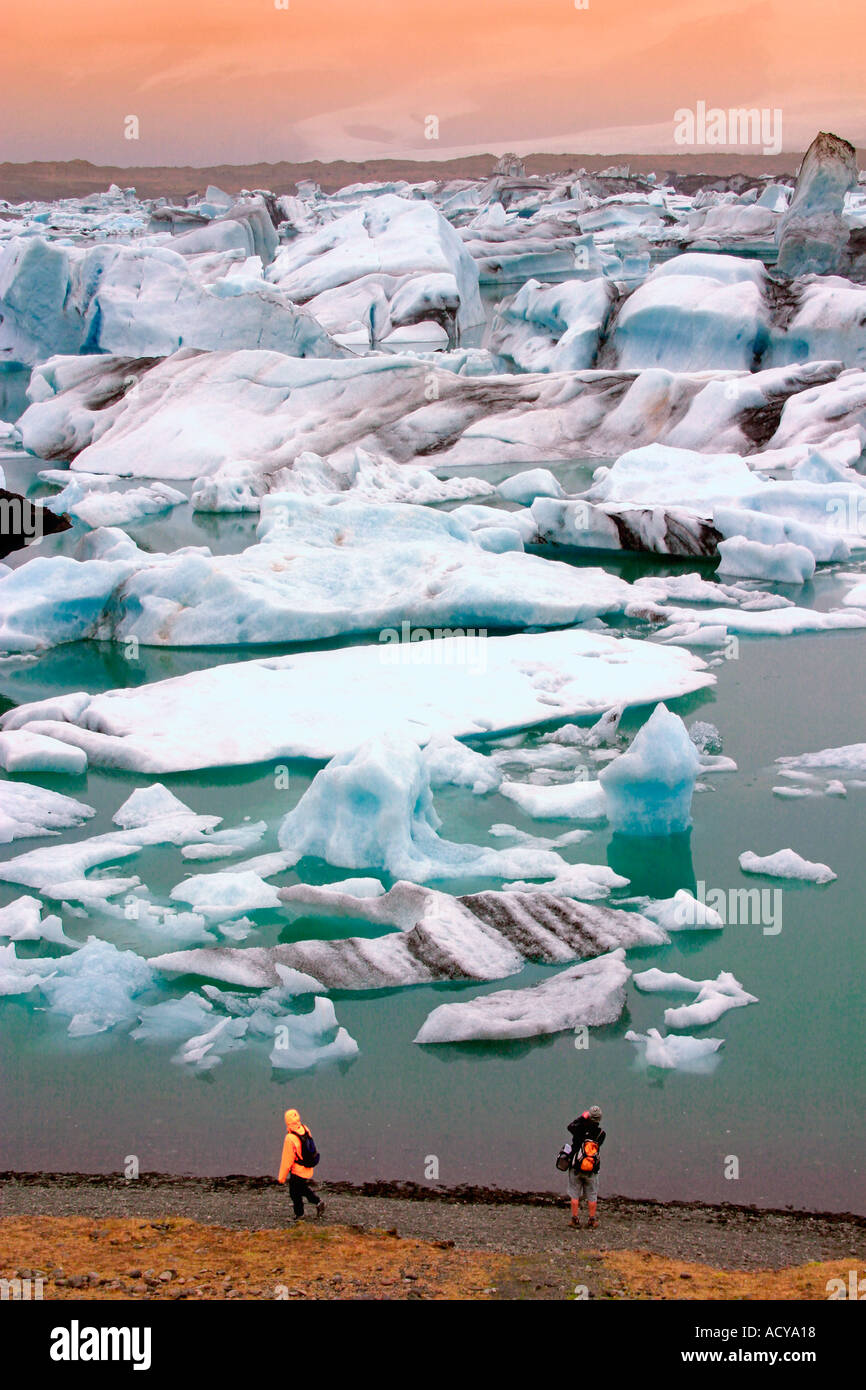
x,y
677,1051
147,804
682,912
22,751
785,863
22,920
27,810
219,896
302,1041
525,487
206,1050
19,976
706,737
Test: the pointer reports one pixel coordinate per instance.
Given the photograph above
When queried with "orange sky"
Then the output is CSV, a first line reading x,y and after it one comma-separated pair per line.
x,y
214,81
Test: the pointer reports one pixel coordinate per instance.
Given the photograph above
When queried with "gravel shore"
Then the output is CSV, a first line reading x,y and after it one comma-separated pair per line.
x,y
521,1224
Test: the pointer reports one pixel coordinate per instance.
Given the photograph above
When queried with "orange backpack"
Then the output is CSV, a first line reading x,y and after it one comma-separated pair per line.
x,y
587,1157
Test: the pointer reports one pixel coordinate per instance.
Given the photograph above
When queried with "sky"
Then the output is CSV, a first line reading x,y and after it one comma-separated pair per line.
x,y
245,81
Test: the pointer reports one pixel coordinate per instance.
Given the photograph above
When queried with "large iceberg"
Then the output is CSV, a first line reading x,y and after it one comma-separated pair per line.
x,y
252,414
812,234
480,936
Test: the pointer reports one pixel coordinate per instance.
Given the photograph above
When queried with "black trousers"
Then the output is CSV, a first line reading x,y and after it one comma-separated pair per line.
x,y
299,1188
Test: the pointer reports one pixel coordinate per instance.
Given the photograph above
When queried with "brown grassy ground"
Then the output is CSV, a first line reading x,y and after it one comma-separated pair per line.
x,y
641,1275
176,1258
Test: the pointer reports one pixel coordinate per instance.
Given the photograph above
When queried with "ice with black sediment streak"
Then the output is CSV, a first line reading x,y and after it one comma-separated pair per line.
x,y
481,936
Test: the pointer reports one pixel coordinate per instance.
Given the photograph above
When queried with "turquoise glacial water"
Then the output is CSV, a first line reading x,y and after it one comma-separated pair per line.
x,y
786,1096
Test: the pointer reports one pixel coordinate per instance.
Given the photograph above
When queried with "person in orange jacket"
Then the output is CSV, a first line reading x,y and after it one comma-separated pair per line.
x,y
295,1169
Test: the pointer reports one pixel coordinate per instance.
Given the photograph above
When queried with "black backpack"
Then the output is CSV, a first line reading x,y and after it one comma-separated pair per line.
x,y
309,1153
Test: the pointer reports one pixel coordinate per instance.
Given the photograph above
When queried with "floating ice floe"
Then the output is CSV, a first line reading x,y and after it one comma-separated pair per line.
x,y
481,936
96,987
586,995
713,998
303,1041
785,863
321,568
63,866
849,758
97,506
682,912
677,1051
582,799
531,483
295,706
22,920
218,896
648,790
239,486
28,811
22,751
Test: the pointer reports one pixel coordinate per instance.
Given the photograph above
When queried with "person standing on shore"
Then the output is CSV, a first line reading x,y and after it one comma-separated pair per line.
x,y
299,1159
587,1137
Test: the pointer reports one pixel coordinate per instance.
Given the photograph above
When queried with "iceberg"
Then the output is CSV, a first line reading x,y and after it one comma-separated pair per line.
x,y
694,311
553,327
586,995
250,414
96,987
481,936
373,809
648,789
142,301
781,563
812,235
389,264
321,568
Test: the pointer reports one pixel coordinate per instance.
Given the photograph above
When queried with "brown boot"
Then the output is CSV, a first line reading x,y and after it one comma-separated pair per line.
x,y
593,1221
